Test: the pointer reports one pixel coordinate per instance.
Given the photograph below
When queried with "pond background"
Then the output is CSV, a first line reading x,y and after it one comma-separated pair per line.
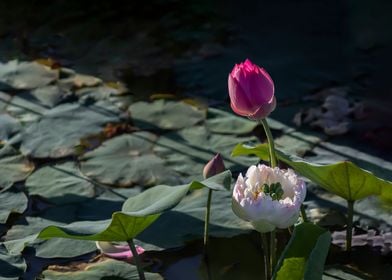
x,y
187,49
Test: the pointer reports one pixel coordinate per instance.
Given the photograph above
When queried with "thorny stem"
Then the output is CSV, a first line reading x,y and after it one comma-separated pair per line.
x,y
350,216
136,257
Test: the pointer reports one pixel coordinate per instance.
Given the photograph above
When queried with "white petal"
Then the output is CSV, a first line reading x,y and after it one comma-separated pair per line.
x,y
239,210
253,176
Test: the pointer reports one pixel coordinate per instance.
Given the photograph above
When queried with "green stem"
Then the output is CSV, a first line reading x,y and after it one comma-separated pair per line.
x,y
136,257
207,219
206,228
350,217
273,250
271,145
303,214
267,264
273,162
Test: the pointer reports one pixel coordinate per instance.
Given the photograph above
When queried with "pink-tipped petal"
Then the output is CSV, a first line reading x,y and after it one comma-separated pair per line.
x,y
117,251
251,90
239,102
263,111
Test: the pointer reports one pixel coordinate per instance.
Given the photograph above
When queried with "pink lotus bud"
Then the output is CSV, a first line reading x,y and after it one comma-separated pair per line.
x,y
251,91
214,166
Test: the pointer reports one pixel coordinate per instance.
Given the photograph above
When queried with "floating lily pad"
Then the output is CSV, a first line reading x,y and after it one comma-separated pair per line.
x,y
106,269
25,231
12,267
60,129
127,160
11,202
295,142
14,167
165,114
8,127
4,100
60,184
25,107
227,123
28,106
25,75
188,150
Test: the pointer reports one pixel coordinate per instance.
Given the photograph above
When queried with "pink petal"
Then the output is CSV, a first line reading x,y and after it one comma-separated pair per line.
x,y
239,101
263,111
117,251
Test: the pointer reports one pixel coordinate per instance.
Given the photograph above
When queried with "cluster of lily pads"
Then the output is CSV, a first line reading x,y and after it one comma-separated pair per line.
x,y
82,161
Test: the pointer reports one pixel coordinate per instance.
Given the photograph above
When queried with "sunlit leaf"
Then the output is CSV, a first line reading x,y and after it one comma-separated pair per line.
x,y
137,214
305,254
343,178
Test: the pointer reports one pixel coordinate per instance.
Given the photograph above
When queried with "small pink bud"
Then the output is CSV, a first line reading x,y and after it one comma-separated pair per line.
x,y
251,91
214,166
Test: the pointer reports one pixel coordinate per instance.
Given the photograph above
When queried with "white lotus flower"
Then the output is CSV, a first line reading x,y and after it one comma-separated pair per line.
x,y
268,197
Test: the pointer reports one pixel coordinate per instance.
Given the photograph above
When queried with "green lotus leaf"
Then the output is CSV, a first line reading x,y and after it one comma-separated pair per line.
x,y
11,202
60,129
12,267
25,75
106,269
344,178
24,233
122,227
165,114
137,214
305,254
8,127
60,184
161,198
127,160
14,167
